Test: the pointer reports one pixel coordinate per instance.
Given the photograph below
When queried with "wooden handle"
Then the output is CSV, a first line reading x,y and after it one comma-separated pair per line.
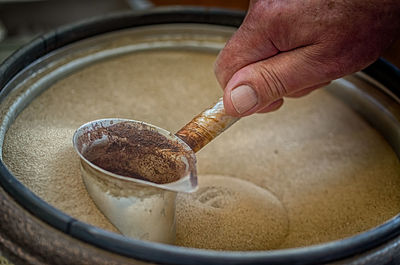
x,y
206,126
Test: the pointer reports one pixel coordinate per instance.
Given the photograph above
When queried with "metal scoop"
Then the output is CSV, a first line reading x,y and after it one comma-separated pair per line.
x,y
133,170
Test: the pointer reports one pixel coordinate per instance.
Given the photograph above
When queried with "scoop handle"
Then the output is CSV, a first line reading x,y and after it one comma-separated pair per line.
x,y
206,126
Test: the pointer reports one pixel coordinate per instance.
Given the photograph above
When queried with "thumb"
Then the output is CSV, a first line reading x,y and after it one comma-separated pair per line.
x,y
257,86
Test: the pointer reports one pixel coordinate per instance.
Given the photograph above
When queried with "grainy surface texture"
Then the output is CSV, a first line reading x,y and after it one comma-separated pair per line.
x,y
135,150
322,172
223,211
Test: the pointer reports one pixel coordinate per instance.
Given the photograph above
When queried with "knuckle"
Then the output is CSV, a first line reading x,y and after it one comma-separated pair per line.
x,y
328,62
325,61
272,85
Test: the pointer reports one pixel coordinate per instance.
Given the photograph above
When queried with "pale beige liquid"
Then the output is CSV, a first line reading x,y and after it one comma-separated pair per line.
x,y
322,172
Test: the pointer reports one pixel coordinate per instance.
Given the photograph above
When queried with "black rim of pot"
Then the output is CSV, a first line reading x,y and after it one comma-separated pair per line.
x,y
381,70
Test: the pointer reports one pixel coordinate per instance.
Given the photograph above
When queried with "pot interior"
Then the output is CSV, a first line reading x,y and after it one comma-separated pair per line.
x,y
322,168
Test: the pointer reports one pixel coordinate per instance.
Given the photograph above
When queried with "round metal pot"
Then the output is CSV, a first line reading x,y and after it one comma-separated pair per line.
x,y
34,232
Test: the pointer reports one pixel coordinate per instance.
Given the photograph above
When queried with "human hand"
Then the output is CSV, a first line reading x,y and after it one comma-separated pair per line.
x,y
288,48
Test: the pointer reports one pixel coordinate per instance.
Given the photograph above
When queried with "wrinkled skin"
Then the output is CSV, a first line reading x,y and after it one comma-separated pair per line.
x,y
287,48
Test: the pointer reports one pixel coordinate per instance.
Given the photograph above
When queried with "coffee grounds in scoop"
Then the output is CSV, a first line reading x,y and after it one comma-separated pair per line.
x,y
137,151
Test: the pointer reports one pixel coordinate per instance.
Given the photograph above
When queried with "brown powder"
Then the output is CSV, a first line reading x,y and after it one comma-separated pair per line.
x,y
333,173
135,150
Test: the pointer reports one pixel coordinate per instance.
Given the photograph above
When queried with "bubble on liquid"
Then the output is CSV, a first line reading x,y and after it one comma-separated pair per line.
x,y
228,213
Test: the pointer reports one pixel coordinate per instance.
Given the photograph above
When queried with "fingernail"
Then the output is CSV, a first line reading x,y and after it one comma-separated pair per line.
x,y
243,98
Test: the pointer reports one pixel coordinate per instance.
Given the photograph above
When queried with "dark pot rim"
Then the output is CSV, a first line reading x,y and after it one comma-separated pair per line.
x,y
381,70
